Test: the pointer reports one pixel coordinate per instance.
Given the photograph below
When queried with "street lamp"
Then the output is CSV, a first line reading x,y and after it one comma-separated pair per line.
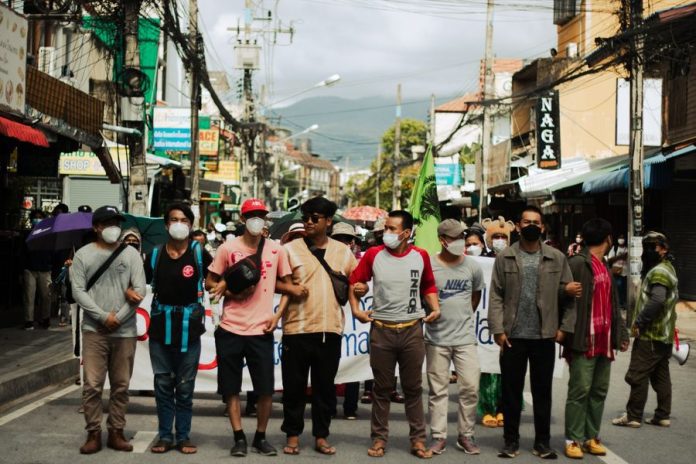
x,y
328,82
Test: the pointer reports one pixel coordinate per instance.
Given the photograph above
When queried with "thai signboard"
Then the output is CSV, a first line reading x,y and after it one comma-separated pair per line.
x,y
13,55
548,131
172,127
208,140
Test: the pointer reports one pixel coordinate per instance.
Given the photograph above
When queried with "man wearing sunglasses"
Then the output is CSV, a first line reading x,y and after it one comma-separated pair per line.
x,y
313,326
401,275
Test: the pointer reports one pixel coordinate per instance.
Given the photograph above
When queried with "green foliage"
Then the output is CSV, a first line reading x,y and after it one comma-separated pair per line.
x,y
362,191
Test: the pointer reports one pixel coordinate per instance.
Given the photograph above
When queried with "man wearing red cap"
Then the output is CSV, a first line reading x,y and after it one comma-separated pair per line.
x,y
242,335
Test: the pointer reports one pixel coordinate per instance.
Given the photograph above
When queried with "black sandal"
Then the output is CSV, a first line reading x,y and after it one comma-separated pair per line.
x,y
161,447
186,444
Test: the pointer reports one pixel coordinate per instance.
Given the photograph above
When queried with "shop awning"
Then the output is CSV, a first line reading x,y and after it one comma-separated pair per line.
x,y
657,174
22,132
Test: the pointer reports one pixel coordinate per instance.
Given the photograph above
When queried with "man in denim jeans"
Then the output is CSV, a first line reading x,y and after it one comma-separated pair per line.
x,y
176,272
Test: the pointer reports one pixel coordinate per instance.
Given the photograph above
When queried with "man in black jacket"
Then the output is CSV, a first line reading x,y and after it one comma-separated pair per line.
x,y
599,329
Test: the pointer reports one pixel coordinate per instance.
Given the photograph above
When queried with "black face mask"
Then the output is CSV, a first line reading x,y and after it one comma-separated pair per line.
x,y
531,233
650,259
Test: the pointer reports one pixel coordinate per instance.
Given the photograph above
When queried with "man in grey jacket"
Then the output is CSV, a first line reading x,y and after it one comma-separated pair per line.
x,y
108,327
531,307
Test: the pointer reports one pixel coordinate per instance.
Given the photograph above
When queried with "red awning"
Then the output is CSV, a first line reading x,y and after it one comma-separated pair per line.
x,y
22,132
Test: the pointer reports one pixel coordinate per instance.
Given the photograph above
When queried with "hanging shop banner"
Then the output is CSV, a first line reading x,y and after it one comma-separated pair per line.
x,y
208,141
172,129
548,136
13,55
86,163
227,172
448,171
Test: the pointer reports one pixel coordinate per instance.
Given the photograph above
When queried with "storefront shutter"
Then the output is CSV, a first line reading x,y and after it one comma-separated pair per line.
x,y
679,224
92,192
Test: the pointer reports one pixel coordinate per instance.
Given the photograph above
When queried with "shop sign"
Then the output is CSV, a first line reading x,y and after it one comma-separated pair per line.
x,y
172,129
548,128
228,172
448,172
86,163
13,55
208,141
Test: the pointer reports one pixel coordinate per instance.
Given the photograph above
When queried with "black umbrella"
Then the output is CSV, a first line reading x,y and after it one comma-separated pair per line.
x,y
281,225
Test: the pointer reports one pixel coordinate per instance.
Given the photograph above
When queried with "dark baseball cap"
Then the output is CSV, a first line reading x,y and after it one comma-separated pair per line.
x,y
106,213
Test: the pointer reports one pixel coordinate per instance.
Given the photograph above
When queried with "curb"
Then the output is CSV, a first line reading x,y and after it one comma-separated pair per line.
x,y
12,389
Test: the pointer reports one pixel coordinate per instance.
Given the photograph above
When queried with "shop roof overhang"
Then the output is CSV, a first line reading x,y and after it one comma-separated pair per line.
x,y
657,174
22,132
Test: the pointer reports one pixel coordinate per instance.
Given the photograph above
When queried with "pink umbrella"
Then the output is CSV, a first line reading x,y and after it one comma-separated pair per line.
x,y
364,213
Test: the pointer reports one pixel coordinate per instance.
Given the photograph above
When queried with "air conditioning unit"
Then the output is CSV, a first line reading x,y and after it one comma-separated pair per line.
x,y
47,60
572,50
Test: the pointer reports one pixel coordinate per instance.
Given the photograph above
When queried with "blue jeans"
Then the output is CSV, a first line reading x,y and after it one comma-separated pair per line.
x,y
175,378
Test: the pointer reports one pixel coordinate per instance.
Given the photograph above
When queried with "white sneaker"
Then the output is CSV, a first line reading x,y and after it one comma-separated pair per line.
x,y
623,421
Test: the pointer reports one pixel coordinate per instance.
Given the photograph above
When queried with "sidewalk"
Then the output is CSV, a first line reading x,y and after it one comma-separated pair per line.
x,y
686,320
31,360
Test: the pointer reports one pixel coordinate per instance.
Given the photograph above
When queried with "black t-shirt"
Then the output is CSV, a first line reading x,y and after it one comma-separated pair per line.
x,y
177,279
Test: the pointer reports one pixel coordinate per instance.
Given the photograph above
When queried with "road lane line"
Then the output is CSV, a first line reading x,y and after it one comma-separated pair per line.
x,y
610,458
141,441
36,404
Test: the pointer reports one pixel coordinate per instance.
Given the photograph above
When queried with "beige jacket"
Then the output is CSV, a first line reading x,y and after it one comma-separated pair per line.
x,y
319,312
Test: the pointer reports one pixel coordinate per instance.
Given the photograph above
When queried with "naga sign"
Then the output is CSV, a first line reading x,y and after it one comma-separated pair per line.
x,y
548,124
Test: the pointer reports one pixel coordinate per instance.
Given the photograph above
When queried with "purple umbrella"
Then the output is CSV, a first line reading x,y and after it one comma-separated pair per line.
x,y
60,232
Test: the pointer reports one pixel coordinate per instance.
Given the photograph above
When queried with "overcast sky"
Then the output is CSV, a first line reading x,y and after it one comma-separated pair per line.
x,y
429,46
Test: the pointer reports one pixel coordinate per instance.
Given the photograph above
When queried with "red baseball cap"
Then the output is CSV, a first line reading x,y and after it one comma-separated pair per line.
x,y
253,204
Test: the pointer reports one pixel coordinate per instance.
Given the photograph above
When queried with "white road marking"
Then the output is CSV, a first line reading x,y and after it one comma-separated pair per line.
x,y
141,441
36,404
610,458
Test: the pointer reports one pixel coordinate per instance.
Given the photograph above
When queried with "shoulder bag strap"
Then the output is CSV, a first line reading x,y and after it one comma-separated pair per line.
x,y
154,264
321,260
105,266
198,257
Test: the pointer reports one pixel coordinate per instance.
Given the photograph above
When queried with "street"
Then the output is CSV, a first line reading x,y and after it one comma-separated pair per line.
x,y
52,433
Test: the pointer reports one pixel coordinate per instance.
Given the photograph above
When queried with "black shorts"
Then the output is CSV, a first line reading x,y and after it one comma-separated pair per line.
x,y
233,350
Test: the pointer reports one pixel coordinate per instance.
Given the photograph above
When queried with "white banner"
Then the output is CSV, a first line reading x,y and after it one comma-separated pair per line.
x,y
354,365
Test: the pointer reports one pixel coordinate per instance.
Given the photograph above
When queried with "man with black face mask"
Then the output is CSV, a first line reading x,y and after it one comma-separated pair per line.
x,y
531,307
653,320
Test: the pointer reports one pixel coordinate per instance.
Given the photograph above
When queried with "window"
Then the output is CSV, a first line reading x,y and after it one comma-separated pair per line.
x,y
564,10
678,103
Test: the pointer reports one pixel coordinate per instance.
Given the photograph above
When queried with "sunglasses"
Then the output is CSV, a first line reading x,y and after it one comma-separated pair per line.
x,y
314,218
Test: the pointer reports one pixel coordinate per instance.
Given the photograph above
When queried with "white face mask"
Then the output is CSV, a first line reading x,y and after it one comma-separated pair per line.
x,y
578,240
391,240
255,226
179,231
474,250
499,244
211,236
456,247
621,241
111,234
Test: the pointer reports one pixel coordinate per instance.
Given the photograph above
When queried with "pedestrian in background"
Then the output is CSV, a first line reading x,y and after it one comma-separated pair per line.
x,y
599,330
452,339
575,247
100,274
618,261
530,309
312,327
400,273
36,281
653,325
176,272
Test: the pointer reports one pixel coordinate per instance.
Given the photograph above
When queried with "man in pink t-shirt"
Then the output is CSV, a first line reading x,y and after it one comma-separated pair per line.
x,y
244,333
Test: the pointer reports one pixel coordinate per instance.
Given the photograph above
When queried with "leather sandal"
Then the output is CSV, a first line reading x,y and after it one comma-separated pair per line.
x,y
161,447
377,449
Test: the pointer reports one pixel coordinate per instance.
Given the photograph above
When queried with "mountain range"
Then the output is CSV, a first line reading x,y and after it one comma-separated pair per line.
x,y
349,130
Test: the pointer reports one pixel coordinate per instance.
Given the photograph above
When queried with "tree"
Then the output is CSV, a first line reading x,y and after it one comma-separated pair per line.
x,y
413,132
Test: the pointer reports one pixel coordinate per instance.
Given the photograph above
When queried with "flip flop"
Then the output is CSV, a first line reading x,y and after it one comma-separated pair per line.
x,y
489,421
420,451
291,450
162,447
325,449
377,450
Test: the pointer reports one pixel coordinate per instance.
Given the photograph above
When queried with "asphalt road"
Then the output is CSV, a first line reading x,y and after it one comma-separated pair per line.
x,y
52,432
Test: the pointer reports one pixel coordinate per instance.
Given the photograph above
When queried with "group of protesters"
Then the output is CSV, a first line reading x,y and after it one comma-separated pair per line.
x,y
423,312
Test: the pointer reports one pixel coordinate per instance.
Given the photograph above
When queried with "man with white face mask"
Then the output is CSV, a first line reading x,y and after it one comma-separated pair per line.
x,y
452,338
401,275
176,272
108,327
242,333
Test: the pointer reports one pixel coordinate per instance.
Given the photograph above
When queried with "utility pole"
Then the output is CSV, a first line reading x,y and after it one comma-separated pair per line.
x,y
396,190
132,115
432,124
636,152
487,119
195,94
379,173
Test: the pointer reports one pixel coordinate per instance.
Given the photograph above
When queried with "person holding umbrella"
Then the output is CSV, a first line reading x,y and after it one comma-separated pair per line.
x,y
100,273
